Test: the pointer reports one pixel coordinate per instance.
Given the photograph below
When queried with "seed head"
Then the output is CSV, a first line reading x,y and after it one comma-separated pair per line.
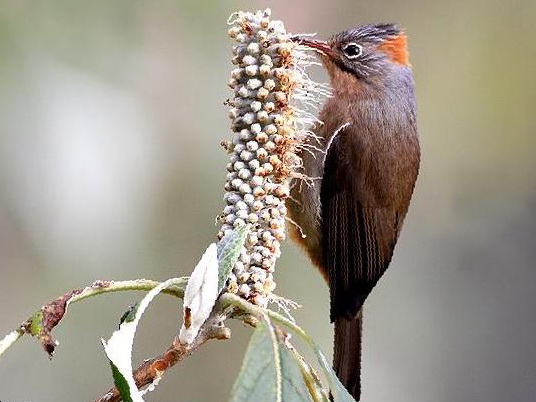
x,y
268,82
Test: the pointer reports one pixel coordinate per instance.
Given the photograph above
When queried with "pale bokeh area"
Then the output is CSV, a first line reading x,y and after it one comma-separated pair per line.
x,y
111,116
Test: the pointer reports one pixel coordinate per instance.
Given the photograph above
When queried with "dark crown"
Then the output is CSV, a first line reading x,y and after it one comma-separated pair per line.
x,y
368,33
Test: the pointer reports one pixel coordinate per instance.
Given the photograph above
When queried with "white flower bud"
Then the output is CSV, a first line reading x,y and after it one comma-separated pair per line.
x,y
266,264
254,48
232,287
258,191
233,83
270,146
268,167
257,206
279,235
238,223
249,199
269,107
258,287
264,69
278,139
261,138
256,128
245,188
274,160
285,49
258,275
252,146
244,174
242,214
279,120
241,205
230,219
269,286
262,153
239,165
232,198
242,91
281,191
254,83
280,97
252,218
231,176
252,238
245,135
243,276
256,106
256,258
270,129
257,181
254,164
249,60
265,215
270,200
237,73
243,290
236,183
262,93
245,259
262,116
252,70
233,31
246,155
267,235
249,118
266,59
269,84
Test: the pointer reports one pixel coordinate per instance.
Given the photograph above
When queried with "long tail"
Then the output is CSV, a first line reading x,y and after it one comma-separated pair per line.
x,y
347,353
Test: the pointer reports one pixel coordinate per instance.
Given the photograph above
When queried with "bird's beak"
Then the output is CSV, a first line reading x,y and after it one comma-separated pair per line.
x,y
319,45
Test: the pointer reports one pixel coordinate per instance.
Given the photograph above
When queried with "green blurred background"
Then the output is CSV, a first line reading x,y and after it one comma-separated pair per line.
x,y
111,115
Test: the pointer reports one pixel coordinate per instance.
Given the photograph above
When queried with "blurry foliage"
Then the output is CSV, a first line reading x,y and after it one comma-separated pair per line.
x,y
111,117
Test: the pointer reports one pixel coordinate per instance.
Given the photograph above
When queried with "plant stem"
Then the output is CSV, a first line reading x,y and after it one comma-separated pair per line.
x,y
96,289
228,300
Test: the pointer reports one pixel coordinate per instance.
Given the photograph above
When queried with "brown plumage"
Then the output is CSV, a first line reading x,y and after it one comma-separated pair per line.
x,y
361,180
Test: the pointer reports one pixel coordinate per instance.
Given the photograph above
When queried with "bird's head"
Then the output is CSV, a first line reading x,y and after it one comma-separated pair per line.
x,y
366,52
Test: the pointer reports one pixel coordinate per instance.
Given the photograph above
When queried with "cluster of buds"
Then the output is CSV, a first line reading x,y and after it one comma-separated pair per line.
x,y
269,131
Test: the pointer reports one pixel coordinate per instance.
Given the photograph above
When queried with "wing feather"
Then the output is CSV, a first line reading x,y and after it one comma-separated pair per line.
x,y
358,239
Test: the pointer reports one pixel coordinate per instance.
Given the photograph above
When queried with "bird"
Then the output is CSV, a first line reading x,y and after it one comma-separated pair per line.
x,y
349,212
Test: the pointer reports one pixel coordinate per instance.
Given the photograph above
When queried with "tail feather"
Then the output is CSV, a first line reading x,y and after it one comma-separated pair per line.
x,y
347,353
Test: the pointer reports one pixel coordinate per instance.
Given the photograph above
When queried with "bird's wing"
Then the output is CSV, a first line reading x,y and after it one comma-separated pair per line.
x,y
358,238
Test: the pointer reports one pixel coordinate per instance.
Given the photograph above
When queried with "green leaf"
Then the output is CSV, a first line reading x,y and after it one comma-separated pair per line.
x,y
130,314
338,391
310,377
36,323
270,372
121,384
228,252
119,347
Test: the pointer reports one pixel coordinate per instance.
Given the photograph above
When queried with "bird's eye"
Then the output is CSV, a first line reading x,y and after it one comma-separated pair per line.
x,y
352,50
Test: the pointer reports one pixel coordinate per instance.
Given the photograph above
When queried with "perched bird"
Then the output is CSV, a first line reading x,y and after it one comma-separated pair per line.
x,y
361,178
